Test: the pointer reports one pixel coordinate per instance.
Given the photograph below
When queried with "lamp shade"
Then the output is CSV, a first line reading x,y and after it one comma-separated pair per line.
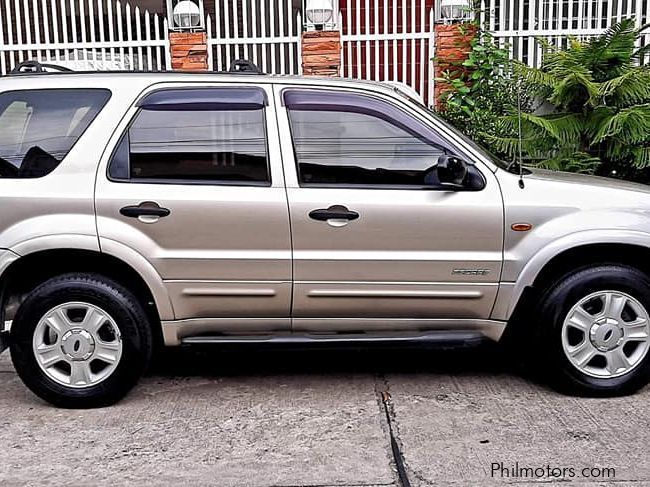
x,y
319,12
454,9
186,14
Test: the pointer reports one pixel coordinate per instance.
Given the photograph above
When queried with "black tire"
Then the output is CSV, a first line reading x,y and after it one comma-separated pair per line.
x,y
119,303
558,300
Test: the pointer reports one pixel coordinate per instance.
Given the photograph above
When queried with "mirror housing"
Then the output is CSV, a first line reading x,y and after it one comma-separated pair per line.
x,y
452,170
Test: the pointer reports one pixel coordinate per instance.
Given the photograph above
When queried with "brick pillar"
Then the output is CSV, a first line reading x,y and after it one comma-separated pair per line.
x,y
189,51
321,53
452,48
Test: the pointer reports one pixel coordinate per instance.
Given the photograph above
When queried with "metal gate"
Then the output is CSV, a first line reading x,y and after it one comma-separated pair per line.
x,y
384,40
389,40
82,35
266,32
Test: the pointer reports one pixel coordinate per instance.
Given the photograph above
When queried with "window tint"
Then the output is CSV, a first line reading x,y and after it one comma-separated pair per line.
x,y
201,141
349,139
39,127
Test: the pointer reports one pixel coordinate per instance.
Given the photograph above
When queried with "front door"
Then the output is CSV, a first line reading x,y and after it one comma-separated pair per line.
x,y
378,242
195,186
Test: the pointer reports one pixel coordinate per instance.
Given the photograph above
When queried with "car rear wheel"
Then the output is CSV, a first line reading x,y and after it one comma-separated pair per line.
x,y
594,329
80,341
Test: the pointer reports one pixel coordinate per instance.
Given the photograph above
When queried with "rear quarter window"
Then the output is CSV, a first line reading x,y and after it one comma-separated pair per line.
x,y
39,127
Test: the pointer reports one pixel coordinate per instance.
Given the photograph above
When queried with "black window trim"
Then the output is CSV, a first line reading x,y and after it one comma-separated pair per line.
x,y
190,182
200,105
81,135
373,186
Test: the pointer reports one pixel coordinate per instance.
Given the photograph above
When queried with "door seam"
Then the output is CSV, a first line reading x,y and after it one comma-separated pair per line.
x,y
286,195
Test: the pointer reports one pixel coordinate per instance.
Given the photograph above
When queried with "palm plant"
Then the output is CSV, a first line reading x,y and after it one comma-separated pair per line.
x,y
599,92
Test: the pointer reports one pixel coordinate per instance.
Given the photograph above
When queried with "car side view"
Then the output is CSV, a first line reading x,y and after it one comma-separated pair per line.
x,y
168,208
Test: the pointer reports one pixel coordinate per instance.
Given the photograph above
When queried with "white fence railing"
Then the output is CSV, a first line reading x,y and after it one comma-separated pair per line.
x,y
82,35
385,40
389,40
519,24
266,32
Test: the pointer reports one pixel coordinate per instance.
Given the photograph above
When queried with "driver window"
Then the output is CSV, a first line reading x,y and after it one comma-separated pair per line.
x,y
356,140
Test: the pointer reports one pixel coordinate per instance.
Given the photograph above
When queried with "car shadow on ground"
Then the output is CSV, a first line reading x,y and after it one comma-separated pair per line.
x,y
249,360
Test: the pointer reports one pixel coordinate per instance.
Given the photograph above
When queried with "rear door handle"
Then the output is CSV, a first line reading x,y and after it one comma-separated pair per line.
x,y
335,212
146,208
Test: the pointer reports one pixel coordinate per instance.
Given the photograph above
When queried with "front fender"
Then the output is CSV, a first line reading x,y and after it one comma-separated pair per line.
x,y
510,293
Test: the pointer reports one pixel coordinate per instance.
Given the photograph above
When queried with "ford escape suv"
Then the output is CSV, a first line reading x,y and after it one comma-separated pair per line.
x,y
172,208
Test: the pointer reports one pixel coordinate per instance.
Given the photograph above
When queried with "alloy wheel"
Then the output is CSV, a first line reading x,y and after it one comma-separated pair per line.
x,y
77,344
606,334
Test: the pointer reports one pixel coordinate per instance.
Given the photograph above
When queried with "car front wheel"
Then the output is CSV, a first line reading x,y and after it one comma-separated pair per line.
x,y
80,341
595,331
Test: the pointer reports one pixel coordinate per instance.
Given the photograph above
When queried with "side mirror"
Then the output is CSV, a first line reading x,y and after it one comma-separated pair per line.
x,y
452,170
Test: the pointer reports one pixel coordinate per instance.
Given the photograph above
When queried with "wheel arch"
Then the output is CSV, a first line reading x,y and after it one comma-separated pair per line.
x,y
27,271
529,288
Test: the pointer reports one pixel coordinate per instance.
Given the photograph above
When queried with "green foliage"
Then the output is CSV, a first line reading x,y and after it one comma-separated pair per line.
x,y
593,103
481,92
599,96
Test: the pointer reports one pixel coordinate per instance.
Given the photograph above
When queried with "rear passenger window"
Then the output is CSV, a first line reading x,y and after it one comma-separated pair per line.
x,y
214,135
39,127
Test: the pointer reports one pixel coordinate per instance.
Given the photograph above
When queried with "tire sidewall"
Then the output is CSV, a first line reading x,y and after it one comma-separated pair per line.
x,y
556,307
112,299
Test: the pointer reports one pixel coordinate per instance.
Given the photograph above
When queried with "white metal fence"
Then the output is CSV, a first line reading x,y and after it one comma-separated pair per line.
x,y
82,34
519,24
389,40
266,32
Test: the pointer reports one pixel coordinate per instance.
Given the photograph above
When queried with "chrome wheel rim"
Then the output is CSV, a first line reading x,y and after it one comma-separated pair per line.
x,y
77,344
606,334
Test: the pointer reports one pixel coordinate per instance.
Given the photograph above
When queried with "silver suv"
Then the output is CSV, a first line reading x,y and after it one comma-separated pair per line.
x,y
181,209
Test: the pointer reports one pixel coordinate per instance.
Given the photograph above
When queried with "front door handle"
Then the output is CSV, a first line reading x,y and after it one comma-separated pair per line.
x,y
145,209
335,212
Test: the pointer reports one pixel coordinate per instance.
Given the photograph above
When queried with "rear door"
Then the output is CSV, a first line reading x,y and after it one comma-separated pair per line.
x,y
377,242
196,187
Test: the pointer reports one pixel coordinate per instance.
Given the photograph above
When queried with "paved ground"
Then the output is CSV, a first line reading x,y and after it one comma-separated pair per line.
x,y
324,418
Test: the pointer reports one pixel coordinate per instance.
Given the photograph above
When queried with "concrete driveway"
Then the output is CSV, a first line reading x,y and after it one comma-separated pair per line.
x,y
247,417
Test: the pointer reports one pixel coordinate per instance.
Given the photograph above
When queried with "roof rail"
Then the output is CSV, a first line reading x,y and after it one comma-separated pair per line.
x,y
244,66
238,66
33,66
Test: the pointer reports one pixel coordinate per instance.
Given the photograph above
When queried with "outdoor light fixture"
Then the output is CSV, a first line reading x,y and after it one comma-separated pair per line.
x,y
319,14
185,15
454,10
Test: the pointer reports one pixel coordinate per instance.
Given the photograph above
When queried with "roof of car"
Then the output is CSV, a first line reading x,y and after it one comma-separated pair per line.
x,y
99,77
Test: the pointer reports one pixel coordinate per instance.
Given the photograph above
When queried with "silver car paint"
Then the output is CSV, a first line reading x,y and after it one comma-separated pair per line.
x,y
396,260
404,280
566,211
224,251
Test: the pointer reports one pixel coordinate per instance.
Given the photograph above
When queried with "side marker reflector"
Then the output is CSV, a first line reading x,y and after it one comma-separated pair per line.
x,y
521,227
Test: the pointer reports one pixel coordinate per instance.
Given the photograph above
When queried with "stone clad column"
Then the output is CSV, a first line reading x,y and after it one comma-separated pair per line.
x,y
321,53
453,45
189,51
